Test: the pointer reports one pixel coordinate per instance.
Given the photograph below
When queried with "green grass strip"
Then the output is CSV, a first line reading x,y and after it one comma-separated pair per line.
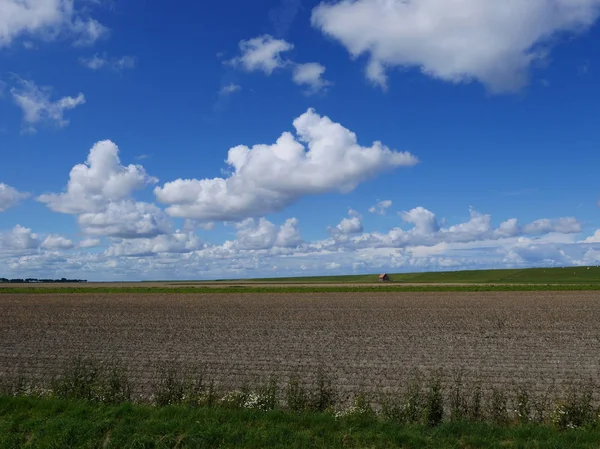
x,y
308,289
52,423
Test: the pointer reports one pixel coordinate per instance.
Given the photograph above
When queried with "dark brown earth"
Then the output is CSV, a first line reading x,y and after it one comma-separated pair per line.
x,y
367,341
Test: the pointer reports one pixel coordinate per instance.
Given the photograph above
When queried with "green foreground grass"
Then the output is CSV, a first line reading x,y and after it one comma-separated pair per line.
x,y
56,423
399,288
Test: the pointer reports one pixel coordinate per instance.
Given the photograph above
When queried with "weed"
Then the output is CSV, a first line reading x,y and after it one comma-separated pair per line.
x,y
413,406
80,380
169,387
324,396
523,406
475,408
497,406
576,411
435,402
297,398
458,401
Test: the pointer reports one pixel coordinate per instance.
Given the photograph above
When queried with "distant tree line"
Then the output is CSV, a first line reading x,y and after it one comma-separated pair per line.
x,y
38,281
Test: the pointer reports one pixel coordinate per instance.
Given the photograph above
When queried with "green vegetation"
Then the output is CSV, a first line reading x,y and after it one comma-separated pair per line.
x,y
307,289
568,275
90,405
58,423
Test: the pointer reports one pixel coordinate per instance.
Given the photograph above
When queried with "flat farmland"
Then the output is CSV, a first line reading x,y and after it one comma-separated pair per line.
x,y
367,342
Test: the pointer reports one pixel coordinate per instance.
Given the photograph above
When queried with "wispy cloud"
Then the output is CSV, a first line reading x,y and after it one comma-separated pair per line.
x,y
98,62
37,106
229,89
381,207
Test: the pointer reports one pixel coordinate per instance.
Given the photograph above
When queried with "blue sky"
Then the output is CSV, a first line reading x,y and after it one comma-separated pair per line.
x,y
297,137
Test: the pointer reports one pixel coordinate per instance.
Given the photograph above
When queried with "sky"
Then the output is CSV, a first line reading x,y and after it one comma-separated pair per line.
x,y
236,139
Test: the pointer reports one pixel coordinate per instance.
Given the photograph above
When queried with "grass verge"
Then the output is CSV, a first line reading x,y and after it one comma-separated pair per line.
x,y
51,422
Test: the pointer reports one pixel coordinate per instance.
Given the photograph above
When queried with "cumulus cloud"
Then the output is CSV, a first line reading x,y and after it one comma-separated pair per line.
x,y
381,207
566,225
19,238
424,221
37,106
310,74
47,19
99,192
97,182
262,234
262,53
175,243
126,219
350,225
427,231
267,178
262,248
492,42
98,62
593,238
9,196
53,242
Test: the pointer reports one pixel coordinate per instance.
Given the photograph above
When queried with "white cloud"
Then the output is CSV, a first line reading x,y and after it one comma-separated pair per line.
x,y
98,62
262,234
57,242
230,89
126,219
262,53
89,243
262,248
88,31
10,197
426,231
381,207
350,225
494,42
97,182
99,192
19,238
176,243
566,225
424,221
594,238
37,106
310,74
267,178
47,19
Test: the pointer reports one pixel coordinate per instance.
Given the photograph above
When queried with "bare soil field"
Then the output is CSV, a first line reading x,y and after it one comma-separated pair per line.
x,y
366,341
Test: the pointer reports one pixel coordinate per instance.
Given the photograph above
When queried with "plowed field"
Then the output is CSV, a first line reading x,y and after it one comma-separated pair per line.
x,y
366,341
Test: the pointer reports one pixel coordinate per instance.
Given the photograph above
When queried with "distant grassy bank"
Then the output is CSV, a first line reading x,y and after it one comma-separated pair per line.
x,y
387,288
35,422
568,275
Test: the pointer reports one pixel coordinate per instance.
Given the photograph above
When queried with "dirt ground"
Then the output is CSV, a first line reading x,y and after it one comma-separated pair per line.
x,y
368,341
